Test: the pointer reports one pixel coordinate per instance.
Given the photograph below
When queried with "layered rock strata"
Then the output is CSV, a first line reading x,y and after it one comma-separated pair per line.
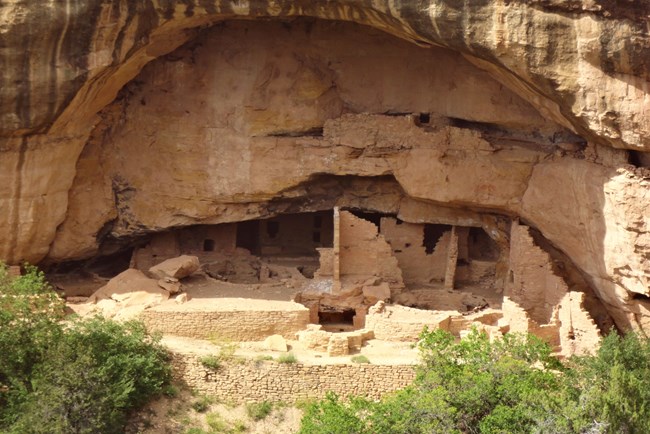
x,y
109,131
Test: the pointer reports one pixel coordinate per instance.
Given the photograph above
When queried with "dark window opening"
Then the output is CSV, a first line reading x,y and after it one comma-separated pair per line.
x,y
307,270
208,245
316,237
424,118
318,221
638,159
643,297
272,229
340,317
407,245
398,222
248,236
432,234
481,246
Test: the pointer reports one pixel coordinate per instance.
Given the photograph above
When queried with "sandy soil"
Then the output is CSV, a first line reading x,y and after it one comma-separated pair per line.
x,y
378,352
179,414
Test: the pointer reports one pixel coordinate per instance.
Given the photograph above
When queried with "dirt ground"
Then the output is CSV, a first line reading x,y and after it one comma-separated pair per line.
x,y
188,413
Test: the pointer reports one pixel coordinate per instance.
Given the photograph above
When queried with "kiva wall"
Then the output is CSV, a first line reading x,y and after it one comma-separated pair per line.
x,y
252,325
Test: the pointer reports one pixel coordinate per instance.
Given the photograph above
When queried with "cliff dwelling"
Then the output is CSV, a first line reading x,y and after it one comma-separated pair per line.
x,y
331,191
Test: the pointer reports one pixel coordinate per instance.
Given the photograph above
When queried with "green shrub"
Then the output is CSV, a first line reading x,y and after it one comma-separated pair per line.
x,y
474,385
81,377
202,404
615,384
239,426
170,391
93,376
30,315
287,358
216,423
333,416
360,359
211,362
259,410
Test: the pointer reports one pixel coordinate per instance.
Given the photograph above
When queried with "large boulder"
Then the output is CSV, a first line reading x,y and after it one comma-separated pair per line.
x,y
176,268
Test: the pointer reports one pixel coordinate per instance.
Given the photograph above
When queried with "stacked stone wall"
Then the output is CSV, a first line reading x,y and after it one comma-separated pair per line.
x,y
255,381
251,325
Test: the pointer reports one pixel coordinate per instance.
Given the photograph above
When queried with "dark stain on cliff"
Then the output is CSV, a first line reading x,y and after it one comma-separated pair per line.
x,y
189,8
208,5
23,102
77,39
167,8
15,209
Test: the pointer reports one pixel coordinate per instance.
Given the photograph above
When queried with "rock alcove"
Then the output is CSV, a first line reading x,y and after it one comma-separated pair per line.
x,y
234,128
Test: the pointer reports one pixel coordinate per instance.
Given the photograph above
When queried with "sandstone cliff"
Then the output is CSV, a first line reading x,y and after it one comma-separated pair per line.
x,y
123,118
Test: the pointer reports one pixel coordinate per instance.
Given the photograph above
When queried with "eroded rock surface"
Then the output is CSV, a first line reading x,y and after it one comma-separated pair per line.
x,y
119,122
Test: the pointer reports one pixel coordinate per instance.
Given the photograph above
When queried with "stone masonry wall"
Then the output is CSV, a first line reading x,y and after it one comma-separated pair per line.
x,y
254,381
253,325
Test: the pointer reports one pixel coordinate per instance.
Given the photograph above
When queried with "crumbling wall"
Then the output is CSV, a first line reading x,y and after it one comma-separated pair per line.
x,y
406,240
365,253
400,323
538,301
203,241
578,331
532,283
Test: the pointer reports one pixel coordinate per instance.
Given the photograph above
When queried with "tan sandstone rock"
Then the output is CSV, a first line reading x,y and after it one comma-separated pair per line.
x,y
276,343
176,268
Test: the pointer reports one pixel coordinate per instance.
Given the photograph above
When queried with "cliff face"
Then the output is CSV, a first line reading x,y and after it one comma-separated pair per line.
x,y
122,118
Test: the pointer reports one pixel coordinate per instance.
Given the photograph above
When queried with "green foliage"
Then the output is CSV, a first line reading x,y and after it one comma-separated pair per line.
x,y
91,378
202,404
211,362
79,377
216,423
616,384
287,358
30,314
360,359
259,410
333,416
170,391
510,385
493,385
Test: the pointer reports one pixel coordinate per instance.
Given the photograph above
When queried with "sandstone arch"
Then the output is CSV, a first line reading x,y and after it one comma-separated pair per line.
x,y
597,218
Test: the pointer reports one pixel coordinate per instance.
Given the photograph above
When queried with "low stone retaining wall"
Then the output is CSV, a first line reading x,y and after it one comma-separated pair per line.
x,y
255,381
253,324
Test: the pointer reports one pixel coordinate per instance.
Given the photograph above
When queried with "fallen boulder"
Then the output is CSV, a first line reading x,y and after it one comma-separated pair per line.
x,y
177,268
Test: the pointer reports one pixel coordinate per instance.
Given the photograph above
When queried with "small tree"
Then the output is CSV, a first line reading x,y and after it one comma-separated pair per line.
x,y
95,374
77,377
30,314
615,384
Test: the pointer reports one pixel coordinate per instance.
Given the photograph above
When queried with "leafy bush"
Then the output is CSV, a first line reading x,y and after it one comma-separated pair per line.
x,y
91,378
259,410
202,404
287,358
360,359
510,385
615,384
80,377
334,416
211,362
30,314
